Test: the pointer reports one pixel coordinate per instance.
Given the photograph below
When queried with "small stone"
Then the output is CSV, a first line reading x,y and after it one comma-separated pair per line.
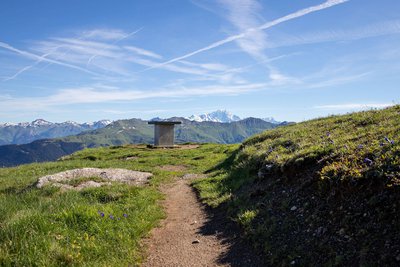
x,y
293,262
196,241
398,258
341,231
293,208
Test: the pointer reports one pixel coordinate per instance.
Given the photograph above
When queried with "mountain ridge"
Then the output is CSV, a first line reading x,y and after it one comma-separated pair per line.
x,y
26,132
223,116
220,115
131,131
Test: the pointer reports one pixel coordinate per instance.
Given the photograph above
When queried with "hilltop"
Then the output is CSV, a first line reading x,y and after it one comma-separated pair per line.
x,y
321,192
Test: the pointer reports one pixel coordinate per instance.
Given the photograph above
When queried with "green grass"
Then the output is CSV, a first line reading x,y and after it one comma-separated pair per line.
x,y
340,173
48,227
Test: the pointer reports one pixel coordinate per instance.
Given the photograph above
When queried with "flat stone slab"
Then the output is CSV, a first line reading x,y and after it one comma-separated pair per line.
x,y
108,175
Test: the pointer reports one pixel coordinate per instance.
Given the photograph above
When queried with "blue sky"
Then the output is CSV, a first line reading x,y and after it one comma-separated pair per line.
x,y
292,60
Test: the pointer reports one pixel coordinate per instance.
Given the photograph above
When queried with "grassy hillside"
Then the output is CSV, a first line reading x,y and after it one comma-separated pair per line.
x,y
324,192
96,226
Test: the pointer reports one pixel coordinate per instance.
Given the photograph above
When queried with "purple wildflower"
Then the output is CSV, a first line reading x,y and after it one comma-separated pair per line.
x,y
368,161
389,141
111,217
125,215
328,133
382,144
360,146
101,214
118,218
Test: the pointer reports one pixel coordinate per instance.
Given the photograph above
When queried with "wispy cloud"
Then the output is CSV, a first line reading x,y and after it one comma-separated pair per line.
x,y
21,71
42,58
353,106
297,14
244,15
98,52
334,80
143,52
207,66
372,30
115,42
105,34
103,94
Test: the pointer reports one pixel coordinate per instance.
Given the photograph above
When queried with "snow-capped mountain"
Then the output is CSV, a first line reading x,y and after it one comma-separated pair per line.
x,y
44,123
97,124
26,132
216,116
271,120
224,116
40,122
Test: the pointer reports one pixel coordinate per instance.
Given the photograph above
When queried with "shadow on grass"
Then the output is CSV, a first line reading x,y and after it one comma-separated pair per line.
x,y
239,251
224,165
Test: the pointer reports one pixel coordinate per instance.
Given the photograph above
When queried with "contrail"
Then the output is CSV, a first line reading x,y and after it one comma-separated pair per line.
x,y
41,58
119,40
265,26
19,72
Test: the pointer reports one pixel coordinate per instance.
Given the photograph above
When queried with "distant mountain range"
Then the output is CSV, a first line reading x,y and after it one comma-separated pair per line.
x,y
216,116
224,117
26,132
132,131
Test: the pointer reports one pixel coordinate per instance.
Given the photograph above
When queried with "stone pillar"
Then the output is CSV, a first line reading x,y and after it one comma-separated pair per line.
x,y
164,133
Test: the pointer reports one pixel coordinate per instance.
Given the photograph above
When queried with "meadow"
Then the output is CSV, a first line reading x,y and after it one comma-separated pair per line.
x,y
96,226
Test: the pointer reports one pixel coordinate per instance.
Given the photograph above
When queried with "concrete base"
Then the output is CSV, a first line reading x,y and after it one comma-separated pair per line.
x,y
162,147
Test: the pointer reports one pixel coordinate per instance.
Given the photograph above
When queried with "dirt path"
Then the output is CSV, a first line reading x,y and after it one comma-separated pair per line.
x,y
190,236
